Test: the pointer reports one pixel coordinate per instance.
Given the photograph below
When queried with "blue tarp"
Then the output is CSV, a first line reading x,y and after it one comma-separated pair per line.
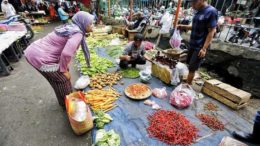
x,y
130,117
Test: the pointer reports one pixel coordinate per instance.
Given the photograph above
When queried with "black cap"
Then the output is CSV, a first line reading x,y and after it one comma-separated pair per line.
x,y
138,37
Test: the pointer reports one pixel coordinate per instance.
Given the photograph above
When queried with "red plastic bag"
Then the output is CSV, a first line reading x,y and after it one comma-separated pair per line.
x,y
182,96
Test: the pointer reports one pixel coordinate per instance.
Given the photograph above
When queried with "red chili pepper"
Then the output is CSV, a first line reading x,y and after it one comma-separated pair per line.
x,y
171,127
211,121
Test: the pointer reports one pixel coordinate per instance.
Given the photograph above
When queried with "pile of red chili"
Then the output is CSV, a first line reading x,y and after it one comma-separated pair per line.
x,y
171,127
210,106
211,121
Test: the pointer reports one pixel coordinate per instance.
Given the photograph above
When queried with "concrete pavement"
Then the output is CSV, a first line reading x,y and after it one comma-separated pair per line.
x,y
29,111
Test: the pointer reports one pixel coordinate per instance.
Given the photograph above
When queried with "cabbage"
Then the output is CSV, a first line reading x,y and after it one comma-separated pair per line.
x,y
109,138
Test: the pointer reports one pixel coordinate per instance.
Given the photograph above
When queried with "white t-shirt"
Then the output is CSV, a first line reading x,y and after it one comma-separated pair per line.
x,y
8,10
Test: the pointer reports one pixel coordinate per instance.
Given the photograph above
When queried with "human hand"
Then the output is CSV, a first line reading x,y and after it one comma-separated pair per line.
x,y
127,58
67,75
202,53
180,27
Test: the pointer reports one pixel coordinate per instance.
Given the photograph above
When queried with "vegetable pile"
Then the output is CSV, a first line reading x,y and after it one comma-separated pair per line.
x,y
104,138
115,51
130,73
98,64
101,80
102,99
101,119
100,41
210,106
211,121
171,127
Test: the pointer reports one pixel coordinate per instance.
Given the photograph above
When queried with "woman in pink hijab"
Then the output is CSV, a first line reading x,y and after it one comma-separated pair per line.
x,y
52,54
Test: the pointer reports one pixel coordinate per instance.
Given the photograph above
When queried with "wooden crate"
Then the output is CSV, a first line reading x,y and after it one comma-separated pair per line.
x,y
223,99
236,95
118,29
229,95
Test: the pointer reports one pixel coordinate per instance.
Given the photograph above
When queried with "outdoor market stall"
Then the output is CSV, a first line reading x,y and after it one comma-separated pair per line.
x,y
8,41
131,119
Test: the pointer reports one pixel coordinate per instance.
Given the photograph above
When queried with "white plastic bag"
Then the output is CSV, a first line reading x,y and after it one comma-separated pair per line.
x,y
175,40
115,42
182,69
145,75
82,82
175,79
166,18
182,96
159,92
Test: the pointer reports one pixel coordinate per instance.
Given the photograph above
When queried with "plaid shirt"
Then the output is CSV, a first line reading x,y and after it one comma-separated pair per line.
x,y
202,20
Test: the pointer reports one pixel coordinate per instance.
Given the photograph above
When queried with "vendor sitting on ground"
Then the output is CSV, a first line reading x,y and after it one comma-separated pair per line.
x,y
133,53
139,22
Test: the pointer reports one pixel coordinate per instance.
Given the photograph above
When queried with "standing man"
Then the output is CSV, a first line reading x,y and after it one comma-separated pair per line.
x,y
7,9
133,53
203,27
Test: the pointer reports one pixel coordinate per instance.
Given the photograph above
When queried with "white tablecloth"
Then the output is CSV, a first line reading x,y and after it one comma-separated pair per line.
x,y
8,38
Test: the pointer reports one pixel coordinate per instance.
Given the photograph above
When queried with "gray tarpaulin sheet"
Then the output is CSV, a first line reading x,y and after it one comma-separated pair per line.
x,y
130,117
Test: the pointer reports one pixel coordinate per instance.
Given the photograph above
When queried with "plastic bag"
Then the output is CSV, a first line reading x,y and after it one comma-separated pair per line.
x,y
115,42
79,113
148,45
182,69
154,105
82,82
175,40
166,18
159,92
175,77
182,96
145,75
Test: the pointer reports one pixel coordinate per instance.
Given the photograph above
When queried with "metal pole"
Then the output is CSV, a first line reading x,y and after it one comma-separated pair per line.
x,y
216,4
223,6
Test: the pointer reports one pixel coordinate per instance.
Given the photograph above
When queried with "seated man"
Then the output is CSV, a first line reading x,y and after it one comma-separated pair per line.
x,y
133,53
139,23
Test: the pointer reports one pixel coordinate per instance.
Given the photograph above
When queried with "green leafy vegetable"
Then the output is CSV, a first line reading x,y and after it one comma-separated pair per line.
x,y
130,73
115,51
104,138
101,119
98,64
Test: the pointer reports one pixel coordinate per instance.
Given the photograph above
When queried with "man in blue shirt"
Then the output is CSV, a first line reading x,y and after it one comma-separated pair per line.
x,y
203,27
